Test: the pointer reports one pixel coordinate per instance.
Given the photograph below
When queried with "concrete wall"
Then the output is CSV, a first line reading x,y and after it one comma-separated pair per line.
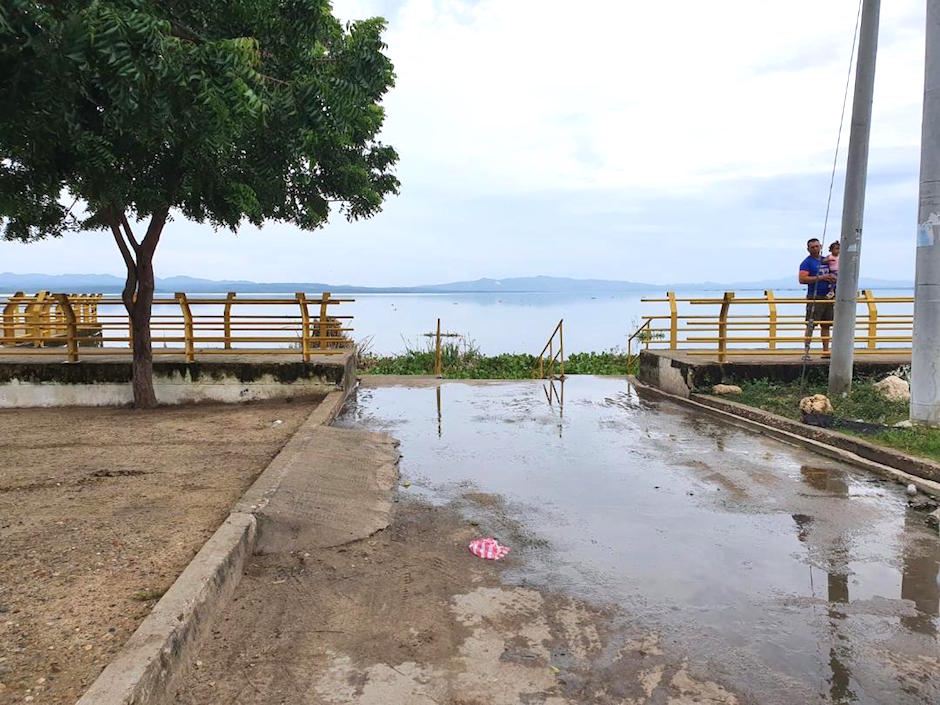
x,y
666,374
108,383
679,376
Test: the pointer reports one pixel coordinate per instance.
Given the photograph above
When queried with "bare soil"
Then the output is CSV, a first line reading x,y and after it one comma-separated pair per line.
x,y
100,511
408,615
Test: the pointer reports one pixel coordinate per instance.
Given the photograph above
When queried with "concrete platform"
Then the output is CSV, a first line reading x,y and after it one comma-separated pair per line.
x,y
679,371
48,379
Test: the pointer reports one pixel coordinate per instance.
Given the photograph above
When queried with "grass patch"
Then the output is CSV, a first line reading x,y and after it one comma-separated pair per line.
x,y
864,403
149,595
465,361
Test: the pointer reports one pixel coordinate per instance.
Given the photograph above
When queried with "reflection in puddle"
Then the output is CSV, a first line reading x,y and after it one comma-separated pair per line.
x,y
831,481
921,578
555,395
799,579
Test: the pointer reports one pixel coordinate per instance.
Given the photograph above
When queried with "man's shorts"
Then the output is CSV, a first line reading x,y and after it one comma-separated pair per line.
x,y
820,310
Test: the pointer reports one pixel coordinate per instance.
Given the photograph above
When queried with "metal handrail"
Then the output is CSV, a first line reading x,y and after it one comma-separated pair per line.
x,y
705,334
553,354
92,324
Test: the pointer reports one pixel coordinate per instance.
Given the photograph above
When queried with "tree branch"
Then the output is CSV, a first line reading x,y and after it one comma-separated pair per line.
x,y
130,283
272,79
129,233
183,32
154,230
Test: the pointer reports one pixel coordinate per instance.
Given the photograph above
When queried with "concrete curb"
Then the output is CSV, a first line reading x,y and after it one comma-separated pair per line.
x,y
151,663
892,473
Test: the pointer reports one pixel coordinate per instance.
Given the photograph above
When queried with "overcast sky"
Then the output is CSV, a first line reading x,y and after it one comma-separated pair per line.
x,y
646,141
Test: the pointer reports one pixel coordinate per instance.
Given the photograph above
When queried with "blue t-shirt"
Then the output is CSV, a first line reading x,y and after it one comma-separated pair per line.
x,y
816,267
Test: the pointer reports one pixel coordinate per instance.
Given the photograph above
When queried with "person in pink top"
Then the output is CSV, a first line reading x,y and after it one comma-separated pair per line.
x,y
832,259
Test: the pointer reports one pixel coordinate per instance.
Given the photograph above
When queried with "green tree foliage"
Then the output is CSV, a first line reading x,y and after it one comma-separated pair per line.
x,y
225,111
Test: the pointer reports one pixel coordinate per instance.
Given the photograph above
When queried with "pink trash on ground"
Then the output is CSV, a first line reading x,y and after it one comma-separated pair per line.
x,y
488,549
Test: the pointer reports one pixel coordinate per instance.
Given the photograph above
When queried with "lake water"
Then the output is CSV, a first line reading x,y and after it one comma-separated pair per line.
x,y
522,323
509,322
498,323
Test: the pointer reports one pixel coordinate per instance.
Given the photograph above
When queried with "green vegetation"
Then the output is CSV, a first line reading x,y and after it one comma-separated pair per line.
x,y
116,113
863,404
465,361
148,595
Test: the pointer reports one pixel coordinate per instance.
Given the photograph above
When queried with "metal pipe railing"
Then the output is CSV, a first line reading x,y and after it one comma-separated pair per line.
x,y
92,324
552,355
681,329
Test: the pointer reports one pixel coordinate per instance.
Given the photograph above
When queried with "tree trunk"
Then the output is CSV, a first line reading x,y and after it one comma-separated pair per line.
x,y
142,366
138,297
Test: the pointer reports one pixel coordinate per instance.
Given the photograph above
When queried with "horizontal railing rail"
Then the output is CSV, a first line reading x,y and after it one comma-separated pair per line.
x,y
84,325
767,325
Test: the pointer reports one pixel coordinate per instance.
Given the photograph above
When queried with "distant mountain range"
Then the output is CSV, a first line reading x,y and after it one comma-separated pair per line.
x,y
108,284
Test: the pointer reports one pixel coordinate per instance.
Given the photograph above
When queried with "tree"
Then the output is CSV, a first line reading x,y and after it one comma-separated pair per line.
x,y
224,111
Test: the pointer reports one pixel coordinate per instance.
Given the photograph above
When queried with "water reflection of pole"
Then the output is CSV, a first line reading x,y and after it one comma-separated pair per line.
x,y
833,483
553,394
438,390
919,580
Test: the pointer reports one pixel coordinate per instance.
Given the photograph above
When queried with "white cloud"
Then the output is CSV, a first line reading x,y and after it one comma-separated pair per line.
x,y
530,95
601,129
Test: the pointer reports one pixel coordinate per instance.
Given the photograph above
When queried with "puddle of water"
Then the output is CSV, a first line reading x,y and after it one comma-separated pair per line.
x,y
793,577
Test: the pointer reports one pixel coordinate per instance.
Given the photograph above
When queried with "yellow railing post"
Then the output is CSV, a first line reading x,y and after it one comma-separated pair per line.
x,y
227,319
304,326
33,316
71,326
673,321
10,313
561,345
437,350
189,344
872,318
723,325
47,317
323,320
772,325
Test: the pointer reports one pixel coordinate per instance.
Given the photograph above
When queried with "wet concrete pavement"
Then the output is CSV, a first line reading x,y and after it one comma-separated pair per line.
x,y
786,577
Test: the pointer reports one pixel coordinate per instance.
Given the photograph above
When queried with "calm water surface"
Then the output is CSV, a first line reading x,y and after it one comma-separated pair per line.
x,y
496,323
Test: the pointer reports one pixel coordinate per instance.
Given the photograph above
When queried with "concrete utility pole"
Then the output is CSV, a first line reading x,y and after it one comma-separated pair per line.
x,y
853,204
925,357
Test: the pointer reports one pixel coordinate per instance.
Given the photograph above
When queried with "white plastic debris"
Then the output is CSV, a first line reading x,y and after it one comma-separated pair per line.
x,y
912,489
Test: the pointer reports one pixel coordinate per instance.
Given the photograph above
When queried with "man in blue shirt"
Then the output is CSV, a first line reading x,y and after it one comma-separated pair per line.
x,y
815,274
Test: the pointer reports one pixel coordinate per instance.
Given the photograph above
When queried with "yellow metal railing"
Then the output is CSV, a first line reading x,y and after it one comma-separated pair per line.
x,y
552,352
85,325
777,326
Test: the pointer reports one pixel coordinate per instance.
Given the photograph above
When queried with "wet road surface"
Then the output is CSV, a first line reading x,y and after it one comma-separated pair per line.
x,y
787,577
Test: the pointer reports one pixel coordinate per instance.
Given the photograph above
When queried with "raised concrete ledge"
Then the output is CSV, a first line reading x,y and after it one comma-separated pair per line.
x,y
27,381
674,370
152,662
905,474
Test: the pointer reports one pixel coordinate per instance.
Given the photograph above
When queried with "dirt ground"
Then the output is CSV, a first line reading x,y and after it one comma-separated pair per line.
x,y
408,615
100,510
